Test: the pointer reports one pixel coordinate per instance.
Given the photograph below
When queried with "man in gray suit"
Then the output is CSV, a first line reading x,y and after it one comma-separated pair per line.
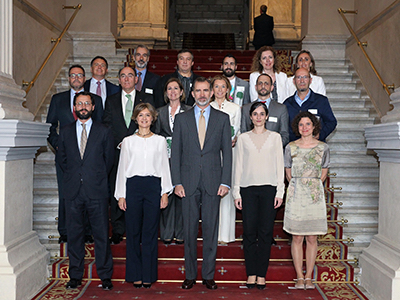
x,y
239,93
278,117
200,177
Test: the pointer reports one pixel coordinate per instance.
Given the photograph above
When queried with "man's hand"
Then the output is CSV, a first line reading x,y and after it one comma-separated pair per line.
x,y
122,204
180,191
222,191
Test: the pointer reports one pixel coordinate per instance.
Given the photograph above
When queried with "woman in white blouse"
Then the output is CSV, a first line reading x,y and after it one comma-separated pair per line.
x,y
305,60
258,186
221,88
142,187
264,62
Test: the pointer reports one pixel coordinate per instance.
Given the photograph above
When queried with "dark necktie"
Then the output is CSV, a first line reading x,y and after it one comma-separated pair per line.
x,y
139,83
98,90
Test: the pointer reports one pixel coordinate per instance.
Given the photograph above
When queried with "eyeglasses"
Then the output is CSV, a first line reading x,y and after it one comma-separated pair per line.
x,y
73,75
302,77
86,103
99,65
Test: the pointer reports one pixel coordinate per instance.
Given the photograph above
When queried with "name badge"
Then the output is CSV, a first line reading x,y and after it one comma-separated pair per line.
x,y
273,119
314,111
149,91
240,88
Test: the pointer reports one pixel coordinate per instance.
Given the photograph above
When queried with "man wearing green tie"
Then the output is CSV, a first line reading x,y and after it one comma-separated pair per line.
x,y
117,116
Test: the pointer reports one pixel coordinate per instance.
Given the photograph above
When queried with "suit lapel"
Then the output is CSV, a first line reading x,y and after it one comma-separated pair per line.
x,y
94,132
165,119
212,121
67,106
193,128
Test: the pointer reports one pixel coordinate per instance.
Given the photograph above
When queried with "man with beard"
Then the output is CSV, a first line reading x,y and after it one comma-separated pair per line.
x,y
147,81
98,85
239,93
61,113
278,118
306,100
200,177
86,156
185,75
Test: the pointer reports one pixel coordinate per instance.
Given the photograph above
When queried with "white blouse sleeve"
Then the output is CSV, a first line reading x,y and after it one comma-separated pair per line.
x,y
166,183
237,168
252,86
236,120
120,183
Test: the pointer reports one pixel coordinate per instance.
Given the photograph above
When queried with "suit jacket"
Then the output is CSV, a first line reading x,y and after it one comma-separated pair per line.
x,y
150,83
91,172
159,96
241,92
114,117
161,126
60,113
263,35
190,163
318,105
111,88
278,120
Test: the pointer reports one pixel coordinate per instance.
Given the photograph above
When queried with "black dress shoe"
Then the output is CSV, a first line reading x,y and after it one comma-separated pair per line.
x,y
261,286
147,285
73,283
107,285
250,285
115,239
62,239
88,239
179,242
188,284
210,284
167,242
138,285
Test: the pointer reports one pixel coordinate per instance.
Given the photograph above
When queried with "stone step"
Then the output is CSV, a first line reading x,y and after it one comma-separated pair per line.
x,y
361,233
341,112
44,181
343,94
329,77
52,246
367,170
362,214
344,86
47,157
45,168
45,211
336,144
357,133
355,184
45,229
355,249
358,198
345,102
45,196
354,122
350,158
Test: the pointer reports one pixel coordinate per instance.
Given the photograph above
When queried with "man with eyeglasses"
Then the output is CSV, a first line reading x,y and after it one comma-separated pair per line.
x,y
306,100
86,156
147,81
278,118
61,113
98,85
118,116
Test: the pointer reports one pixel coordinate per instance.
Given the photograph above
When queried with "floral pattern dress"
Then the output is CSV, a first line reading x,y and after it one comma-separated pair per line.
x,y
305,208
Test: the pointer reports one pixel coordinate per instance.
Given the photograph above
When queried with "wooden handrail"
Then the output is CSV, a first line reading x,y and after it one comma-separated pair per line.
x,y
386,87
56,42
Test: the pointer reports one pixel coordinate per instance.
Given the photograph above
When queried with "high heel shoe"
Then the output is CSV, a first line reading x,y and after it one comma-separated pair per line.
x,y
261,286
138,285
309,286
147,285
251,285
300,284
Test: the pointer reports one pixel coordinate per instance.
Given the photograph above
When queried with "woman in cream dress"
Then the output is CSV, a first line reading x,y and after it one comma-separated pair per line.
x,y
221,88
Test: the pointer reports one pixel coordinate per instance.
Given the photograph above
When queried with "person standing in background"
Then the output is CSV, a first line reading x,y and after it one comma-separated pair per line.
x,y
263,26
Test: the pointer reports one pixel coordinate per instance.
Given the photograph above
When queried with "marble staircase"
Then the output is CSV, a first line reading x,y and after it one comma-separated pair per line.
x,y
357,170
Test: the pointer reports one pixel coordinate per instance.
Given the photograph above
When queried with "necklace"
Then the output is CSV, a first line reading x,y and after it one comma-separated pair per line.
x,y
143,135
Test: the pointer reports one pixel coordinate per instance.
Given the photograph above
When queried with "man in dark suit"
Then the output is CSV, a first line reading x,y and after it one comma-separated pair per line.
x,y
98,85
117,116
147,81
278,118
86,155
306,100
61,113
184,73
200,177
263,26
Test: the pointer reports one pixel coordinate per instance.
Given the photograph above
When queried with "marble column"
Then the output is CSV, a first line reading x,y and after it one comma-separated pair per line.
x,y
380,262
23,260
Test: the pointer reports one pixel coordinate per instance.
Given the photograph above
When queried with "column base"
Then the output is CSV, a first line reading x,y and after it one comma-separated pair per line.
x,y
23,267
380,264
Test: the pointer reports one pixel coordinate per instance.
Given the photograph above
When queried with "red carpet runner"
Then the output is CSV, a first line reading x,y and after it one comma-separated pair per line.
x,y
230,273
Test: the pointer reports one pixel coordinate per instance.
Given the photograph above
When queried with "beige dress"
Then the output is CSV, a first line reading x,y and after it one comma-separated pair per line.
x,y
305,209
